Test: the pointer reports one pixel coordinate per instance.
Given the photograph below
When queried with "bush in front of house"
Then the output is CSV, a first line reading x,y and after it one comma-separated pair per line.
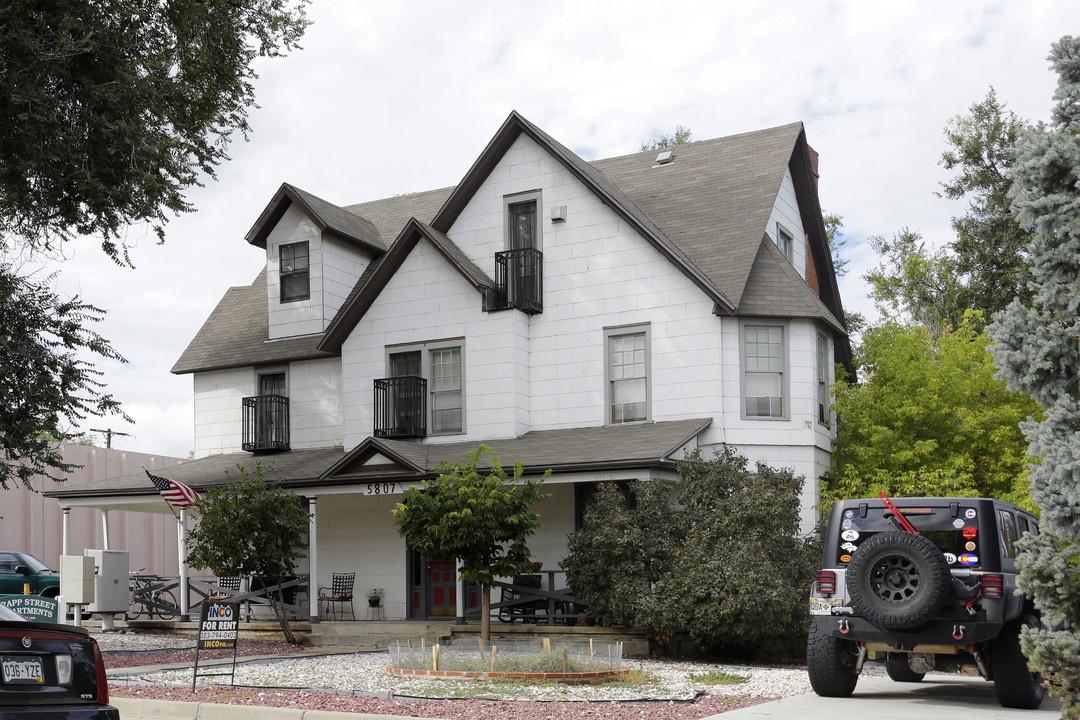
x,y
720,557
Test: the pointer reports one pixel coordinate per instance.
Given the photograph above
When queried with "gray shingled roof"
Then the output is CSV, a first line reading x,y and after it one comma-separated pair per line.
x,y
714,200
634,446
707,210
237,332
773,290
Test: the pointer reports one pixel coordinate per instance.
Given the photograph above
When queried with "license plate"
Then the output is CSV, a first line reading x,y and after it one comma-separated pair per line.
x,y
23,670
824,606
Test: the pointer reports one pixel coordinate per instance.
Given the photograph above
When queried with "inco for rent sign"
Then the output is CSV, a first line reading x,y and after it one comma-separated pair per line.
x,y
218,625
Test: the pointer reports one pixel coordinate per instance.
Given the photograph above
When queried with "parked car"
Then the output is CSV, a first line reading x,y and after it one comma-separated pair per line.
x,y
53,671
919,581
19,568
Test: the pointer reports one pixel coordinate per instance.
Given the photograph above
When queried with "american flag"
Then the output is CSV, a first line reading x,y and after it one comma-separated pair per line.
x,y
175,493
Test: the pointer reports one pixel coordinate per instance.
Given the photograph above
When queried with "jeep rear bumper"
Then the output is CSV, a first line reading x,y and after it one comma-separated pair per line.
x,y
935,636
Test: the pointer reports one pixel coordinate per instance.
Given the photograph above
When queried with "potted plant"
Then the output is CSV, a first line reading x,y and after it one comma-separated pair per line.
x,y
374,597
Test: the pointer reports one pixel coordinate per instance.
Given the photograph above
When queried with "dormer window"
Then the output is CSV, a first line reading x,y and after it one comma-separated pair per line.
x,y
295,280
785,241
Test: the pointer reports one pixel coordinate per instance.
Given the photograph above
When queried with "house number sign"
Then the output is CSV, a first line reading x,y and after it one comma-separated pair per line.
x,y
384,488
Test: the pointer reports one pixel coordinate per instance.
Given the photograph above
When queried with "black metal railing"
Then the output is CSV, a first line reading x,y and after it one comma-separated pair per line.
x,y
400,407
519,281
541,597
266,423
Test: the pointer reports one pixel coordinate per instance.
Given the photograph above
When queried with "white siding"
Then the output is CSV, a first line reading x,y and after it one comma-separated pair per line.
x,y
314,391
786,212
334,268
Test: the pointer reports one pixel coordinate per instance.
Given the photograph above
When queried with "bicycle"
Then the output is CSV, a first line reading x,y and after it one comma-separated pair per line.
x,y
146,593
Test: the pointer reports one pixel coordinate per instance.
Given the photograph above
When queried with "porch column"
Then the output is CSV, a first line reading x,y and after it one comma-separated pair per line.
x,y
66,532
460,619
105,529
181,549
313,563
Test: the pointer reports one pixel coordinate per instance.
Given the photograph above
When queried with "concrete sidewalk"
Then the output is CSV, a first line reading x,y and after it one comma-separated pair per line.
x,y
937,696
137,709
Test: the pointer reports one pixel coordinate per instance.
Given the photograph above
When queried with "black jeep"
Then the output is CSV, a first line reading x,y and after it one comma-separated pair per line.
x,y
918,579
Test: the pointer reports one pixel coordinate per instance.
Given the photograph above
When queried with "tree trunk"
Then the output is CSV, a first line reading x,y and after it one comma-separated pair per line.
x,y
279,613
485,614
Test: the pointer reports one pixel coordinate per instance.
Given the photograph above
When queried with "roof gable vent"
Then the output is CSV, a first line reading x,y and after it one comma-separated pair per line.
x,y
666,157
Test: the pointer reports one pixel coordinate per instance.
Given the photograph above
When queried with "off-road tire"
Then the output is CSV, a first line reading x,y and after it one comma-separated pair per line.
x,y
896,666
898,580
830,663
1015,685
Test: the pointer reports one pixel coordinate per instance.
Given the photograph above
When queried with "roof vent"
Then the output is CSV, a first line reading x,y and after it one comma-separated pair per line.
x,y
666,157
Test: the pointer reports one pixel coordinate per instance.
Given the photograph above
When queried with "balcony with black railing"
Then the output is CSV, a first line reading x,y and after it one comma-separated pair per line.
x,y
400,407
519,281
265,423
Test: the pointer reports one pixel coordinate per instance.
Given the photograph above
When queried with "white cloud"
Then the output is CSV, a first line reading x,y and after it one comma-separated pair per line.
x,y
399,97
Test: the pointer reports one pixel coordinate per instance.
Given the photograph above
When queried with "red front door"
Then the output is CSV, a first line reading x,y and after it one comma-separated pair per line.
x,y
442,588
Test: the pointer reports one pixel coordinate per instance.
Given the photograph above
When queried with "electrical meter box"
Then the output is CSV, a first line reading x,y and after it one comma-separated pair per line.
x,y
77,579
110,581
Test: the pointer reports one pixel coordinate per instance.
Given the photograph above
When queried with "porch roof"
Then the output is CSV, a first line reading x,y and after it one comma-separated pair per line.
x,y
567,451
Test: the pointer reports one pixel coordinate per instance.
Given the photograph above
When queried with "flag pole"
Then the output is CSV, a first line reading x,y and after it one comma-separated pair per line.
x,y
167,503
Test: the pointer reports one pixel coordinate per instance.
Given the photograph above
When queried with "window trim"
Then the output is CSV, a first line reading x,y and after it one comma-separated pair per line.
x,y
516,199
788,248
622,331
785,353
823,397
306,272
425,349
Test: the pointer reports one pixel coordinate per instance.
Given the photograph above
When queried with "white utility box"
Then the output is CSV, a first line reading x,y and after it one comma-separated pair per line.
x,y
77,579
110,581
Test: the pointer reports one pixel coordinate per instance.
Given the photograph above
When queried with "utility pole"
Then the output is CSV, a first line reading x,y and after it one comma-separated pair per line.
x,y
109,432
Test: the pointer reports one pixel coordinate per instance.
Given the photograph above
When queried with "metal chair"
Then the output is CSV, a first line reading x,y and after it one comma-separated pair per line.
x,y
340,592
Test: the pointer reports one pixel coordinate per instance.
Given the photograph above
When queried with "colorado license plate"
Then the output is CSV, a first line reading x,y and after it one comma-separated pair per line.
x,y
22,670
824,606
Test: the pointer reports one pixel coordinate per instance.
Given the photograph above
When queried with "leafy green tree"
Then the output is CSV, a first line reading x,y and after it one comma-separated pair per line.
x,y
915,284
1037,350
46,385
110,110
628,542
984,267
726,563
680,136
251,527
928,418
483,521
990,246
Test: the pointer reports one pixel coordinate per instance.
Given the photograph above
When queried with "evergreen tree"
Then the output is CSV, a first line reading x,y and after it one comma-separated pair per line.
x,y
1038,352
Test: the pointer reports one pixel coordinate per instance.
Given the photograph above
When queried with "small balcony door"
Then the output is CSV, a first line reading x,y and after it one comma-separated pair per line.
x,y
266,426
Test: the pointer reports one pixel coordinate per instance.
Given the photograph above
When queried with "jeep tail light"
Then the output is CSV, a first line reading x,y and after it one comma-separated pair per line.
x,y
102,679
992,586
826,582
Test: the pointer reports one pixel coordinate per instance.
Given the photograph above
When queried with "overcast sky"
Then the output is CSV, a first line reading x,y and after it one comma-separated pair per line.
x,y
395,97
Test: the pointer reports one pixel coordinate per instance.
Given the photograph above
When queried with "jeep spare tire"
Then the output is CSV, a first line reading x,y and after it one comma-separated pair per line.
x,y
898,580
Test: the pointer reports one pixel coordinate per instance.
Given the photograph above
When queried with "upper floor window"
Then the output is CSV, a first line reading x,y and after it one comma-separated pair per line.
x,y
627,375
823,366
523,221
442,365
785,241
295,281
764,371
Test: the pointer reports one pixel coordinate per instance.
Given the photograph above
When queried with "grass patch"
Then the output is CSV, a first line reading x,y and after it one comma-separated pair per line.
x,y
718,677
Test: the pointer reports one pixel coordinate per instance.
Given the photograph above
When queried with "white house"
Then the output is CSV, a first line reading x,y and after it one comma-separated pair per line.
x,y
593,318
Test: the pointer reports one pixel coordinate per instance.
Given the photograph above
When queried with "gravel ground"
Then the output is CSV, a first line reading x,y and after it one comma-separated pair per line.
x,y
358,682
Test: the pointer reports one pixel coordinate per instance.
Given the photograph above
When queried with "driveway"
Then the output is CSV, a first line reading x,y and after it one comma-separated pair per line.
x,y
937,696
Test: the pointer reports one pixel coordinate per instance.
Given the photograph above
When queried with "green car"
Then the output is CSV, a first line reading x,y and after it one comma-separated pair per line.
x,y
18,569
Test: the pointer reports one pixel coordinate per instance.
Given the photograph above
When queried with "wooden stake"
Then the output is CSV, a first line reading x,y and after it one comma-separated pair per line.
x,y
609,659
565,661
481,649
547,644
592,654
494,649
435,657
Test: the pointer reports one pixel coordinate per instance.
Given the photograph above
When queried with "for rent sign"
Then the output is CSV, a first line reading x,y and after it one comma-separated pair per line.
x,y
218,625
33,607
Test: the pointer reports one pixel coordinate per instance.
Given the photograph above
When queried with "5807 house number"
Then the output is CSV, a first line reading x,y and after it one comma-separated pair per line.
x,y
390,488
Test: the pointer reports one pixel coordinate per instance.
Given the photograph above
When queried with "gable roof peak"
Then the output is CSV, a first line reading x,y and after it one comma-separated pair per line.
x,y
329,218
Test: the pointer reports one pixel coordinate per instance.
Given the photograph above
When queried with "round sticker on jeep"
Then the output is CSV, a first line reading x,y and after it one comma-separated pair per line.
x,y
970,513
968,559
850,535
950,558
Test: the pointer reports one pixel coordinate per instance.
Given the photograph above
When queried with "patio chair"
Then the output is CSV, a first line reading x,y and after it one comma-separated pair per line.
x,y
339,593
